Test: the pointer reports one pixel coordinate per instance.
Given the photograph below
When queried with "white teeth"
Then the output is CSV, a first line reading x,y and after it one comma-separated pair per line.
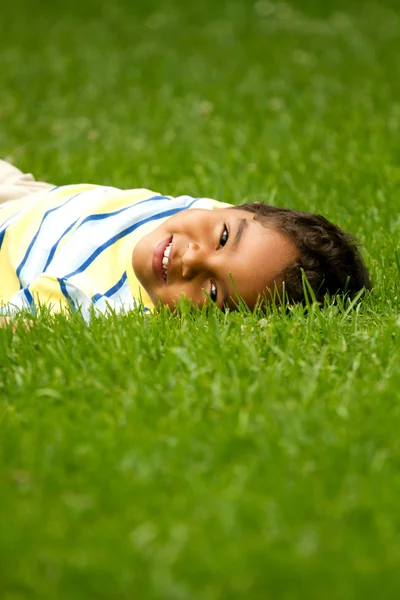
x,y
165,259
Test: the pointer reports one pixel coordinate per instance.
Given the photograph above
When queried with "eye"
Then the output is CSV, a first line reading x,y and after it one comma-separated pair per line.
x,y
224,237
213,292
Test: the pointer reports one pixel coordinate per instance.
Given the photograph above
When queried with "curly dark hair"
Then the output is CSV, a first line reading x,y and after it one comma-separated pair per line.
x,y
328,256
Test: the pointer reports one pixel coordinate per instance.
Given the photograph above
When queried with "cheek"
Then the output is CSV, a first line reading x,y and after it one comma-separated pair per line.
x,y
138,259
250,283
172,294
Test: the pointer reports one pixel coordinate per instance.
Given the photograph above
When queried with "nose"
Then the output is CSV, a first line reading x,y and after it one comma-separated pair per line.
x,y
194,260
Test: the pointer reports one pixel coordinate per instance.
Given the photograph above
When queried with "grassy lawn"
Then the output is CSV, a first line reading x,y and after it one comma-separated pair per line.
x,y
208,457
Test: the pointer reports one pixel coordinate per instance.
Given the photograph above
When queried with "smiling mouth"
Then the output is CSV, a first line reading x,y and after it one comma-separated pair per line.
x,y
160,261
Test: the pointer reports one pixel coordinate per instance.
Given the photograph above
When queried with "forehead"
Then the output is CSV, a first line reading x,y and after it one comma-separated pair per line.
x,y
256,265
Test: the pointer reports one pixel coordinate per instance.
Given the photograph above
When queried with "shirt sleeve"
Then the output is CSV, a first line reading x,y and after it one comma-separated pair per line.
x,y
62,295
58,295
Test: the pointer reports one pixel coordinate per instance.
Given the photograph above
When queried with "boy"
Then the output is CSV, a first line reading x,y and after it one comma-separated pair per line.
x,y
92,248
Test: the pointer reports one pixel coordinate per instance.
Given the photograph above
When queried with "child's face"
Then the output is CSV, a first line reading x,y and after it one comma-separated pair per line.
x,y
204,250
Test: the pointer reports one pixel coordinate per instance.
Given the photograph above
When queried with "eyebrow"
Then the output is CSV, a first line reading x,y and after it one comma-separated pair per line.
x,y
243,223
241,226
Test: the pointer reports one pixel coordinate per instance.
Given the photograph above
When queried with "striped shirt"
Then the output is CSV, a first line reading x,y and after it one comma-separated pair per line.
x,y
71,247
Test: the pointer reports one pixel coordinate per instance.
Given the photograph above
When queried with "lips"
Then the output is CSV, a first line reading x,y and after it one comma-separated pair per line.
x,y
157,259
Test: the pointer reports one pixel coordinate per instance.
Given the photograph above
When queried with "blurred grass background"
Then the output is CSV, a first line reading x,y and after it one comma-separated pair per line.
x,y
222,456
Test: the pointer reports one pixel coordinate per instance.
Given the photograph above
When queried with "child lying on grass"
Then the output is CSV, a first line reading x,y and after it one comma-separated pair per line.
x,y
92,248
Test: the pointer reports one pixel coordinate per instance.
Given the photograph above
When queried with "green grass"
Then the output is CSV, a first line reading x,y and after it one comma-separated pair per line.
x,y
212,456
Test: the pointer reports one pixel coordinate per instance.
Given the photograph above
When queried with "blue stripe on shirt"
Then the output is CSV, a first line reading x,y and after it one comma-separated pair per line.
x,y
117,286
55,246
113,290
28,296
64,291
2,234
46,214
101,216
